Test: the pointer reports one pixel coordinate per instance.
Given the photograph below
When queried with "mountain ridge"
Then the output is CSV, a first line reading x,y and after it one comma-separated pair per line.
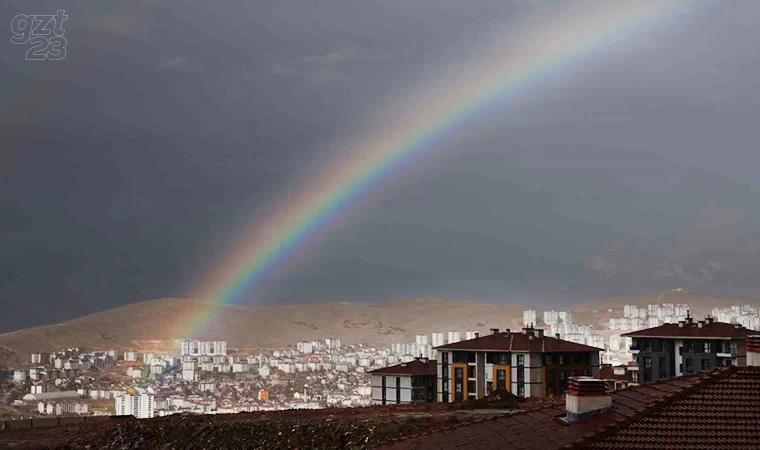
x,y
160,323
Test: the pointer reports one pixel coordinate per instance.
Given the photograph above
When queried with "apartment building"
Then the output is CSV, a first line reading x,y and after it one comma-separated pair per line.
x,y
409,382
686,347
526,363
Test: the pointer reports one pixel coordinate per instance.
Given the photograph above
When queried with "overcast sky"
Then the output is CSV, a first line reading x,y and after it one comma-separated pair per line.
x,y
128,169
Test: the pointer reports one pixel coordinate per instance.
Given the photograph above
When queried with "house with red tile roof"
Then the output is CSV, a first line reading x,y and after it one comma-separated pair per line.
x,y
408,382
526,363
675,349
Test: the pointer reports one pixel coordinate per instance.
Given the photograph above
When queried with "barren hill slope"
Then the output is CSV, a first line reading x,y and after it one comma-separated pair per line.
x,y
158,324
700,304
263,326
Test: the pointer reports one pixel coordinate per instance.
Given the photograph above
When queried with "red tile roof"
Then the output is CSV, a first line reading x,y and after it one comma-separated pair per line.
x,y
720,409
518,342
715,329
415,367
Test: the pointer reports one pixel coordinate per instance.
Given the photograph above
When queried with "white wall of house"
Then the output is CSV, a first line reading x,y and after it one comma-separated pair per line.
x,y
390,389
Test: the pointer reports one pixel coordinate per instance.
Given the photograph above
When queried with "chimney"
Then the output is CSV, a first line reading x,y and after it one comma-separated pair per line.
x,y
753,350
509,332
586,397
540,332
477,335
710,319
494,331
557,335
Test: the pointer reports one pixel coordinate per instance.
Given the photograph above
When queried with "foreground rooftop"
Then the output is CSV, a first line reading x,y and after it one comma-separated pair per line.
x,y
714,410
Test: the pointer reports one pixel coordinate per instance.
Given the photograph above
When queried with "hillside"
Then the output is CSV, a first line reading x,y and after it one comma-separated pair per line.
x,y
700,304
158,324
164,320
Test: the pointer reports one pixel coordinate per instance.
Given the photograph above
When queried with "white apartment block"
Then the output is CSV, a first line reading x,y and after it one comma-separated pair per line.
x,y
553,317
203,348
529,317
40,358
437,339
454,336
139,405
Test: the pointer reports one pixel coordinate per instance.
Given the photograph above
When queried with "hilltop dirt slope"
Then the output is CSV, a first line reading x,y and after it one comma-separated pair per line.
x,y
158,324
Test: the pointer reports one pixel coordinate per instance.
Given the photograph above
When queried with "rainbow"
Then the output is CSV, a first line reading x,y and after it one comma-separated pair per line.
x,y
493,78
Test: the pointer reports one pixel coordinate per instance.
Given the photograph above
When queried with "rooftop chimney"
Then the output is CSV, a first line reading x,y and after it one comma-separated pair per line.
x,y
586,397
477,335
509,332
557,335
710,319
540,332
753,350
494,331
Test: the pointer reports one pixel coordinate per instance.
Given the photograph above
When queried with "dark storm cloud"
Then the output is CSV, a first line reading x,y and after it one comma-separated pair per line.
x,y
129,168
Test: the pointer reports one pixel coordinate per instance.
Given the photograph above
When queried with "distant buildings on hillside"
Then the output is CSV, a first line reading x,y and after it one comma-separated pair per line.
x,y
203,348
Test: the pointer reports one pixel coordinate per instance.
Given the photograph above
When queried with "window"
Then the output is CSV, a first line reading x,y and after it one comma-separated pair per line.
x,y
470,371
520,374
520,360
471,388
548,360
705,364
445,357
550,383
458,384
498,358
647,362
689,347
383,387
561,359
398,389
689,365
521,390
501,379
663,368
708,347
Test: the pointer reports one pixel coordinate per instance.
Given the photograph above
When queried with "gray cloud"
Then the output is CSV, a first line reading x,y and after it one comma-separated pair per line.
x,y
630,168
180,64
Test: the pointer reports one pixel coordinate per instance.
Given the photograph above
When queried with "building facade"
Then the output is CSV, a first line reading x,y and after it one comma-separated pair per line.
x,y
138,405
526,364
686,347
410,382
